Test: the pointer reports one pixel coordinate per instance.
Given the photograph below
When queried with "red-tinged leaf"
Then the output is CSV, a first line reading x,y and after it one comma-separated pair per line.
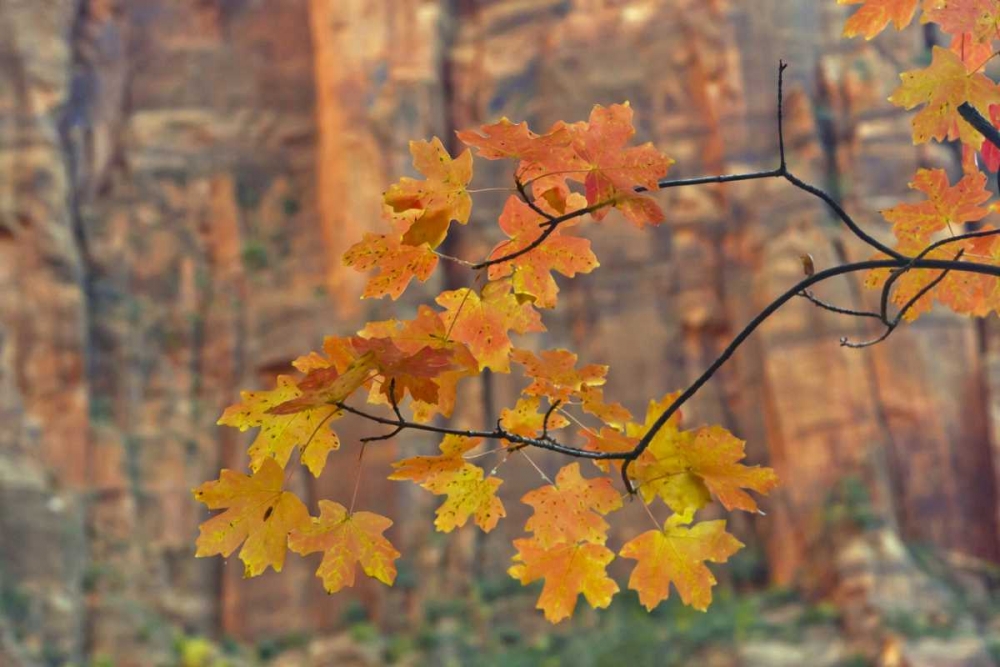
x,y
259,515
347,540
971,52
559,252
428,330
397,263
307,429
483,322
571,509
990,152
613,171
568,570
444,192
677,555
978,18
947,207
414,372
874,15
555,375
942,88
527,418
325,387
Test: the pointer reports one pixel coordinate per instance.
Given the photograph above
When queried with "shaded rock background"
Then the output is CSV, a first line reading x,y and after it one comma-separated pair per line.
x,y
178,180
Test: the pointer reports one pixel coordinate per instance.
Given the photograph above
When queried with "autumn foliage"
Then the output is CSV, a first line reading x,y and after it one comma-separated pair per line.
x,y
411,371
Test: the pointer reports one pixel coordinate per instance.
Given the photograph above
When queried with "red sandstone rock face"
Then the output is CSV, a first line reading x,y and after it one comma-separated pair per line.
x,y
179,179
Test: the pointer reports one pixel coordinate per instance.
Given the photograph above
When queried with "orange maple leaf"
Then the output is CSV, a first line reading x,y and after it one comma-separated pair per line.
x,y
555,375
946,205
468,493
569,569
483,322
613,171
280,434
943,87
427,469
397,262
443,194
609,440
571,509
980,19
874,15
259,515
677,555
560,252
347,539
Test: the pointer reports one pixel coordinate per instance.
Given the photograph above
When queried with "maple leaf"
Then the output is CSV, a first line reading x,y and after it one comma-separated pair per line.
x,y
945,206
715,456
427,330
397,263
483,322
526,419
560,252
259,515
427,469
280,434
347,539
554,374
684,467
609,440
980,19
943,87
545,160
569,569
503,140
443,194
990,152
468,494
593,403
412,372
874,15
677,555
613,171
571,509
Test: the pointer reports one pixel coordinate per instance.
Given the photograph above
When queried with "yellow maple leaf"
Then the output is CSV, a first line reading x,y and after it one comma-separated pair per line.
x,y
308,430
347,540
677,555
468,494
942,87
259,515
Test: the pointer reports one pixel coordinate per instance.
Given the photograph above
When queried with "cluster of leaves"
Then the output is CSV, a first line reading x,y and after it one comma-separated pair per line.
x,y
411,370
955,77
417,365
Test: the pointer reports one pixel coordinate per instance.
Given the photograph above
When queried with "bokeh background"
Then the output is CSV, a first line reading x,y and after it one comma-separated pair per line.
x,y
178,180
